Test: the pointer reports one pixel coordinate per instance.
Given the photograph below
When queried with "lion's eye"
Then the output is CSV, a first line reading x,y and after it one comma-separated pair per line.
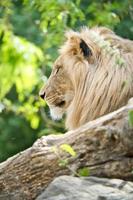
x,y
57,70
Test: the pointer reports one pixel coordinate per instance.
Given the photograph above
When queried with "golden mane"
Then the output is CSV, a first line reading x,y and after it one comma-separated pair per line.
x,y
102,82
109,83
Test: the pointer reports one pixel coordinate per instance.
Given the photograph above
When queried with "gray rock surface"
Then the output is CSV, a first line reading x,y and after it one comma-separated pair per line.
x,y
89,188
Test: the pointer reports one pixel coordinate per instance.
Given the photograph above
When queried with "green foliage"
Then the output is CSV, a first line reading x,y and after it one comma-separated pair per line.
x,y
67,148
130,117
30,34
15,134
58,150
83,171
63,163
16,53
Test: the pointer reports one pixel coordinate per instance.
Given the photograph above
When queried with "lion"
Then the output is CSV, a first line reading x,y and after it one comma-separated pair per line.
x,y
92,76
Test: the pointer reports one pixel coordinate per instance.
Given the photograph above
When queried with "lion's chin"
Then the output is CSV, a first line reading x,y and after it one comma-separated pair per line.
x,y
56,113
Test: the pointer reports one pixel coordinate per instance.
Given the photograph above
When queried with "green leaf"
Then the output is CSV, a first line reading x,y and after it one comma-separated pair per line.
x,y
130,118
84,172
34,121
2,107
63,163
67,148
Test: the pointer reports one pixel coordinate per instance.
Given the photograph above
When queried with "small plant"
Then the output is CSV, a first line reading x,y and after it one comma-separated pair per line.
x,y
65,162
84,171
130,118
67,148
63,148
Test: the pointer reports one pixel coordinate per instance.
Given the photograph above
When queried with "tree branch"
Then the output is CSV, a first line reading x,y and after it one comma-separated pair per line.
x,y
104,145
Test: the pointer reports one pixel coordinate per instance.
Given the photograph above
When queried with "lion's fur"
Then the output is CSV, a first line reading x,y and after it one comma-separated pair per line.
x,y
95,85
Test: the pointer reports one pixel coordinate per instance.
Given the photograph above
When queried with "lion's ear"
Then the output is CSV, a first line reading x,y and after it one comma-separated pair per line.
x,y
85,49
77,45
72,37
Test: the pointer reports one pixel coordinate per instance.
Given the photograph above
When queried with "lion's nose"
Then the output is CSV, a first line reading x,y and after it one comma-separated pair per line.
x,y
42,95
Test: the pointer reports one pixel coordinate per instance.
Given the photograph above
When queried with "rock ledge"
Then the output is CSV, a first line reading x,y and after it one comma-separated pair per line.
x,y
88,188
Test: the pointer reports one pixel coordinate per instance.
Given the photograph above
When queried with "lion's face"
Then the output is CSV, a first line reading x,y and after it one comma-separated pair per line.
x,y
67,72
58,92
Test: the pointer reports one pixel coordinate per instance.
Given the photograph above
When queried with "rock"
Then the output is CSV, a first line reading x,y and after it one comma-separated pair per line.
x,y
88,188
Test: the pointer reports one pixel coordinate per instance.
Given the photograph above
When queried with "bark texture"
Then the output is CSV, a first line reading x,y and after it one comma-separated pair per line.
x,y
104,145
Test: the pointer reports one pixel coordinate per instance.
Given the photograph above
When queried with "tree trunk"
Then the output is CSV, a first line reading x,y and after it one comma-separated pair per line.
x,y
104,145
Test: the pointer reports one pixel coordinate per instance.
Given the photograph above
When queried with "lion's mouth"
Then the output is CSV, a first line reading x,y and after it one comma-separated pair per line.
x,y
60,104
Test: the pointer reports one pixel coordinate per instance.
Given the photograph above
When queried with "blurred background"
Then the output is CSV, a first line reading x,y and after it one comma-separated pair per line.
x,y
30,33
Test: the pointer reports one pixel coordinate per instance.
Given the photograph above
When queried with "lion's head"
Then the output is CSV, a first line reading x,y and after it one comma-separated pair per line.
x,y
92,76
